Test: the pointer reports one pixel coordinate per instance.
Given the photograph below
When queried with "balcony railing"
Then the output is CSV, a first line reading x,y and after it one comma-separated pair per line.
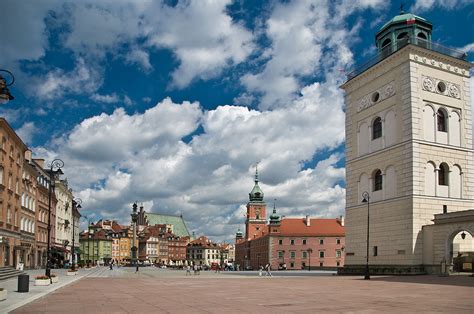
x,y
399,44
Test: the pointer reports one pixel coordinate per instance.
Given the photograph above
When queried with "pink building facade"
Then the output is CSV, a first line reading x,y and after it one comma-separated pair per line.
x,y
288,243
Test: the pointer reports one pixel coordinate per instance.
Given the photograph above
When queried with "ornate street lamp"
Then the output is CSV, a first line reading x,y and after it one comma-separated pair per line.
x,y
5,95
310,250
134,216
76,205
366,199
54,171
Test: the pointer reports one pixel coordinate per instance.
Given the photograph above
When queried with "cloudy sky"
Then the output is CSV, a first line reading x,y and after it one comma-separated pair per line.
x,y
171,103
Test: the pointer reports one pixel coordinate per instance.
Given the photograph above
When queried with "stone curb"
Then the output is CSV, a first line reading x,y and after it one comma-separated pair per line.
x,y
42,294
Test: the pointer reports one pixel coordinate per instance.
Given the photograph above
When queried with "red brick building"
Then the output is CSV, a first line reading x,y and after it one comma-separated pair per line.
x,y
288,243
177,249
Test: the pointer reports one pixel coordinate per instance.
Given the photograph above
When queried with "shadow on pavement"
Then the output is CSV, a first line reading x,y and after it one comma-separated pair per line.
x,y
455,280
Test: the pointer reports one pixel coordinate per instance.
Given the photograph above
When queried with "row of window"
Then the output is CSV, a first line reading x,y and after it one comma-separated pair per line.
x,y
27,225
28,202
12,150
303,264
10,181
439,125
305,254
303,241
43,181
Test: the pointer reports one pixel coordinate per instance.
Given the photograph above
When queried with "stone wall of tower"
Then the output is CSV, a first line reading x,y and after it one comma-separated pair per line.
x,y
391,208
255,226
426,70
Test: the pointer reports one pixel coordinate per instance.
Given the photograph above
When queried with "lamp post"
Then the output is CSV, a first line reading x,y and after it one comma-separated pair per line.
x,y
76,205
134,216
366,199
310,250
54,170
282,260
5,95
89,237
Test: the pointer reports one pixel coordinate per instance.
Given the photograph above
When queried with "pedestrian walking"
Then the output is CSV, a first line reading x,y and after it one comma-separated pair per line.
x,y
267,269
188,270
195,268
111,265
260,271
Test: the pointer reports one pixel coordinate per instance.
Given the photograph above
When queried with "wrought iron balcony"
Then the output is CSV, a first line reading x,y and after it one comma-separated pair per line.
x,y
390,49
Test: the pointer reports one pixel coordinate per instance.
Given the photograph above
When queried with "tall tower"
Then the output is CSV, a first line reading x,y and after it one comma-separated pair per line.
x,y
408,144
256,212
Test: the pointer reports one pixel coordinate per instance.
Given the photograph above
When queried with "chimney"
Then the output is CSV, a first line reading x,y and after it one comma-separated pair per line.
x,y
28,156
40,162
341,220
308,221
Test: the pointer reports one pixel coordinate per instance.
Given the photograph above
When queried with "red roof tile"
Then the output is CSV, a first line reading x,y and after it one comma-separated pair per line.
x,y
317,227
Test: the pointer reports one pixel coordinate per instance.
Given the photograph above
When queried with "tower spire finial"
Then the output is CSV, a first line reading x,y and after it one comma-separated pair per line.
x,y
401,9
256,171
274,205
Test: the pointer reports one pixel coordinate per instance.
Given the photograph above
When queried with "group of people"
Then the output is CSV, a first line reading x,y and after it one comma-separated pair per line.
x,y
196,269
267,269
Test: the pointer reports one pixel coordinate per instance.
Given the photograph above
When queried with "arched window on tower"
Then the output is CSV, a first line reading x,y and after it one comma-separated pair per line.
x,y
441,120
402,39
386,48
443,174
377,128
378,180
422,40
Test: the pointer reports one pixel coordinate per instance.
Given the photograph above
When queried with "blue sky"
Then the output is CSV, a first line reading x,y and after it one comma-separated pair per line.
x,y
171,103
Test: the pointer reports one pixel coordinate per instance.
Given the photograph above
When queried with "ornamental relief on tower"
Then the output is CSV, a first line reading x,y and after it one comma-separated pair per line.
x,y
376,96
441,87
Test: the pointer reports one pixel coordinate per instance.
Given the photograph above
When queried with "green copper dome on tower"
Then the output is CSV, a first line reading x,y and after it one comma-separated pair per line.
x,y
256,195
239,234
401,30
275,219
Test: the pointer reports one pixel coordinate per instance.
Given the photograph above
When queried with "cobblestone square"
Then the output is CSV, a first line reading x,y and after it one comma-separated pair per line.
x,y
167,291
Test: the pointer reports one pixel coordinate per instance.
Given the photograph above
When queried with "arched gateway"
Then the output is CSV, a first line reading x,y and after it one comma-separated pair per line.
x,y
439,241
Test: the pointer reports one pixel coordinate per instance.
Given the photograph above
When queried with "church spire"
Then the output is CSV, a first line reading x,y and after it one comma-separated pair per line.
x,y
256,195
256,172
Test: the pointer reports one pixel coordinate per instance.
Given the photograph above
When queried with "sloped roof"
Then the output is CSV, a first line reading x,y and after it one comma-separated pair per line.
x,y
179,226
402,18
204,242
317,227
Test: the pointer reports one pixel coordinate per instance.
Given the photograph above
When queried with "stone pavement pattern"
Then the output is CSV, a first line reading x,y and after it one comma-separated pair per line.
x,y
16,299
172,292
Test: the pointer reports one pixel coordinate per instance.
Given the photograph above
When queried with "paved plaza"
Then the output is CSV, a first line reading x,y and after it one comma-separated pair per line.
x,y
168,291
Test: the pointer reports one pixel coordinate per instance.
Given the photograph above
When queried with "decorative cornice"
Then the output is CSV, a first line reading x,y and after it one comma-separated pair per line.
x,y
384,92
441,62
